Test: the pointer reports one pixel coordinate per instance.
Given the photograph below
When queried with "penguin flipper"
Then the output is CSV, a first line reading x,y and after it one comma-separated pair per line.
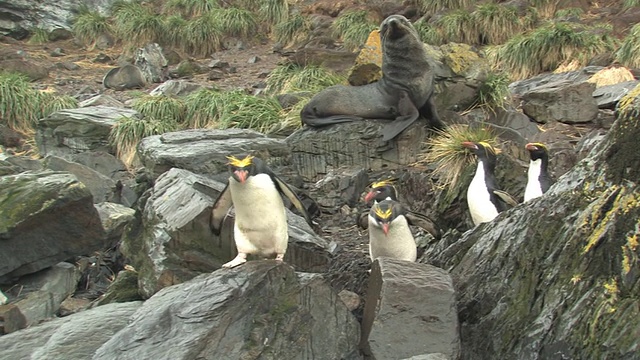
x,y
424,222
505,197
220,209
285,190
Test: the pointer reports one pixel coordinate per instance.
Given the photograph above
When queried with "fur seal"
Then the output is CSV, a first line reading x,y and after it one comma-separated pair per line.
x,y
404,93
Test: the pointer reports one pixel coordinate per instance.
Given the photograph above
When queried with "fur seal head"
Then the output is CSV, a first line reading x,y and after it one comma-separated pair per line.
x,y
395,27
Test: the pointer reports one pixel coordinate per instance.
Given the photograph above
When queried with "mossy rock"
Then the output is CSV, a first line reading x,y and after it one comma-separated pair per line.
x,y
368,64
123,289
464,60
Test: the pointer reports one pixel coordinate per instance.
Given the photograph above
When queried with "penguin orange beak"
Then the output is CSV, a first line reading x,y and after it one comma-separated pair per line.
x,y
531,147
385,228
370,195
469,145
242,175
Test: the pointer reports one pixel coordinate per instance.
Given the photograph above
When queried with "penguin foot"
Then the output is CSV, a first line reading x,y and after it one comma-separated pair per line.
x,y
279,257
238,260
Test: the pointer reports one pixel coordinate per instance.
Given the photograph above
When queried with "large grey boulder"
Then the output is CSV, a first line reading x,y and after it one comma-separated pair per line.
x,y
317,151
176,88
565,102
45,218
151,61
410,310
607,96
262,309
75,337
101,187
557,277
172,241
71,131
203,151
114,218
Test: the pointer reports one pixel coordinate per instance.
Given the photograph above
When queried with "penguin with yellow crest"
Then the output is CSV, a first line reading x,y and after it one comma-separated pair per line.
x,y
260,226
538,178
389,233
484,198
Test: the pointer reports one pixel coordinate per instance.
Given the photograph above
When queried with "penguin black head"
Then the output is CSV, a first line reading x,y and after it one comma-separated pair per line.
x,y
381,190
484,151
241,169
537,151
384,212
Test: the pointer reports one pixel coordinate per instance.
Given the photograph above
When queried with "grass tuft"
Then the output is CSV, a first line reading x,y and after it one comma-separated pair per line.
x,y
433,6
574,12
296,28
238,22
545,48
129,131
428,33
495,24
290,118
89,26
458,26
494,93
628,4
274,11
353,27
291,78
450,157
203,35
161,107
39,36
137,24
629,52
190,8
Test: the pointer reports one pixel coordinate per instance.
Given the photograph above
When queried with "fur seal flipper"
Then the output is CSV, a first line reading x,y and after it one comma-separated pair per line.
x,y
402,95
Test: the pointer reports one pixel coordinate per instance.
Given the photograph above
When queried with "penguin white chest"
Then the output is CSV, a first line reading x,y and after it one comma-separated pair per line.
x,y
397,244
260,216
533,189
478,198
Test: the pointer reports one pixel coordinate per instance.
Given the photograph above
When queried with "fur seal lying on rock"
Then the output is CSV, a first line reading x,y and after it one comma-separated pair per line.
x,y
403,94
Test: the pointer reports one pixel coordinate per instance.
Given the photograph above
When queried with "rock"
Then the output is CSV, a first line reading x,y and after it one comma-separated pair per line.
x,y
314,151
104,163
259,309
203,151
102,100
68,65
350,299
410,310
253,60
339,61
71,131
152,63
565,102
287,101
521,87
11,319
114,218
215,75
217,63
340,187
607,96
57,52
58,34
40,294
102,58
518,122
101,187
188,68
74,337
45,205
123,289
176,88
124,78
368,65
73,305
30,70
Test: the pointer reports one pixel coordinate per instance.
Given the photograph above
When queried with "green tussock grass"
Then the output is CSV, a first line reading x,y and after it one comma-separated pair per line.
x,y
89,26
190,8
428,33
174,30
203,35
290,78
290,118
568,13
495,24
274,11
628,4
295,29
238,22
458,26
494,93
353,27
39,36
432,6
547,47
232,109
21,106
161,107
545,8
450,157
629,52
129,131
138,25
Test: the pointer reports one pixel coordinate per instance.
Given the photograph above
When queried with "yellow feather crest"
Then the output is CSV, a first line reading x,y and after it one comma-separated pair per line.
x,y
382,214
234,161
489,148
381,183
540,145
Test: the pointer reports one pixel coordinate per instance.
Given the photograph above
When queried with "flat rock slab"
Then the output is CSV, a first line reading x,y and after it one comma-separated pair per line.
x,y
410,310
203,151
262,309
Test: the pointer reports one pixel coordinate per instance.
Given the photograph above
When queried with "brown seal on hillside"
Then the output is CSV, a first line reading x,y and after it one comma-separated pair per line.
x,y
404,93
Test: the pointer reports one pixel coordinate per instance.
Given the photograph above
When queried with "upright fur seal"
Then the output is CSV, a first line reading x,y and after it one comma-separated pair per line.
x,y
402,94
